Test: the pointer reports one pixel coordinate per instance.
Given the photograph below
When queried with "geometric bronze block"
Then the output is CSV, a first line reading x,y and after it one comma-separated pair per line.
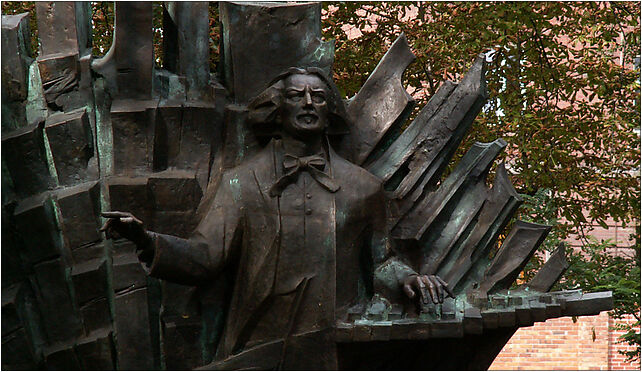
x,y
36,227
133,132
95,351
96,315
132,329
72,147
55,303
128,274
79,210
181,343
90,280
23,152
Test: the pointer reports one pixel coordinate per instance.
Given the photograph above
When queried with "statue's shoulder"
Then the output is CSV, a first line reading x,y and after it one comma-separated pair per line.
x,y
359,177
259,165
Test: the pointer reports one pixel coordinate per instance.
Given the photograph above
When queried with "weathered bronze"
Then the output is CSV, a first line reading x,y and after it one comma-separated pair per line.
x,y
303,230
290,229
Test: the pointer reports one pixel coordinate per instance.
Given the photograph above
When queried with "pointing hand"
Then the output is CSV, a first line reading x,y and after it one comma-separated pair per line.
x,y
126,225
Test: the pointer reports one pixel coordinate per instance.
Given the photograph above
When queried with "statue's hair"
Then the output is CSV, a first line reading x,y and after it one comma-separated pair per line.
x,y
264,108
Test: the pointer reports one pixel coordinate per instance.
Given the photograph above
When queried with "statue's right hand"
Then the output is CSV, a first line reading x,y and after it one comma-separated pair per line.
x,y
125,225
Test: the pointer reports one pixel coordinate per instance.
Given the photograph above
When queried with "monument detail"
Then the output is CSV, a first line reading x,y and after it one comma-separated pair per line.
x,y
171,218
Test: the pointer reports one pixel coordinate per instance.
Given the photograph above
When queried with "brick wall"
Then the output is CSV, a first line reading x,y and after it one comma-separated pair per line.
x,y
558,344
618,235
561,344
590,343
617,361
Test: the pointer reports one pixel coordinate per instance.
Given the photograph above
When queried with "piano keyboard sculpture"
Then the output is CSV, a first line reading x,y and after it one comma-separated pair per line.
x,y
82,135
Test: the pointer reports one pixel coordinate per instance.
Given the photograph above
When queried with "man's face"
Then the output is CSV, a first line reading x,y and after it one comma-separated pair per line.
x,y
304,111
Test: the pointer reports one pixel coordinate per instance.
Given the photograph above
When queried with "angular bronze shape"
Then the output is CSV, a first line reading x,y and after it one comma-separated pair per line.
x,y
262,246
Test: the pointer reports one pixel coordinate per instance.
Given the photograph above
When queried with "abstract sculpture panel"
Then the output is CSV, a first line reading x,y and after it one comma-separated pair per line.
x,y
252,219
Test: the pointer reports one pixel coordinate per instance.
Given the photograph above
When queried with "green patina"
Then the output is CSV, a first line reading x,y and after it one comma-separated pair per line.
x,y
105,205
7,184
56,216
227,55
235,187
104,139
386,275
341,217
329,241
213,318
176,88
324,50
379,308
65,253
36,107
50,159
72,290
240,136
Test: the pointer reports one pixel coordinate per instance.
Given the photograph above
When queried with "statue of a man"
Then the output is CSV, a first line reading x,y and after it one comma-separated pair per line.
x,y
303,229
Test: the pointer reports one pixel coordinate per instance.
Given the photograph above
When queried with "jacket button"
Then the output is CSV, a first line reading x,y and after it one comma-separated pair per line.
x,y
308,196
308,211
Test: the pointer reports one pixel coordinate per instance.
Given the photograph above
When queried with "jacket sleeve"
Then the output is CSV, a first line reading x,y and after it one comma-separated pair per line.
x,y
214,243
389,270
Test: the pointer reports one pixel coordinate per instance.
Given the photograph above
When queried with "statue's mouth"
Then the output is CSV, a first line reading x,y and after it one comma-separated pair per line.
x,y
307,118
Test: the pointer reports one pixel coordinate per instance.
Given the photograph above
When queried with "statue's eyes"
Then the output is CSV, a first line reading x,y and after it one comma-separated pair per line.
x,y
318,97
295,96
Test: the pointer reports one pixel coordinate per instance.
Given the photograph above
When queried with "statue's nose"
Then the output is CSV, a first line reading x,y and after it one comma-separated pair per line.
x,y
307,98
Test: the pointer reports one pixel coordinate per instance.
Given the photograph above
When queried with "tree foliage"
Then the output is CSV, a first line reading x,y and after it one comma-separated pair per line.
x,y
564,92
559,95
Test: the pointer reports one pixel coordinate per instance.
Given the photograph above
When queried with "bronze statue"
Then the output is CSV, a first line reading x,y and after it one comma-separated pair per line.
x,y
296,221
334,224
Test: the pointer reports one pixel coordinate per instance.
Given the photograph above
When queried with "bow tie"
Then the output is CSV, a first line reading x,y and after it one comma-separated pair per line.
x,y
293,165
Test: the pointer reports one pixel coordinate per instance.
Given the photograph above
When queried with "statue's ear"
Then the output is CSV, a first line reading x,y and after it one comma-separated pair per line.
x,y
263,111
339,121
338,125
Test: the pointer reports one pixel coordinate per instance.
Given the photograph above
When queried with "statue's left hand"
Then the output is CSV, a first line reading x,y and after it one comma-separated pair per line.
x,y
424,285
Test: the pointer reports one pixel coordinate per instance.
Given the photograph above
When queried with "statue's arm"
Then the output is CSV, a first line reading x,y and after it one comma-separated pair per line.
x,y
188,261
392,277
213,244
390,272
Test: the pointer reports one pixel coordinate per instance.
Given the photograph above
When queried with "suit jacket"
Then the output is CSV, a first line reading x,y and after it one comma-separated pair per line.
x,y
283,269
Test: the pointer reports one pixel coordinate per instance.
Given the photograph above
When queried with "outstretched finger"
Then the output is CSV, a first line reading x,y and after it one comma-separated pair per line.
x,y
422,288
407,288
116,214
107,225
439,286
450,293
130,220
431,288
